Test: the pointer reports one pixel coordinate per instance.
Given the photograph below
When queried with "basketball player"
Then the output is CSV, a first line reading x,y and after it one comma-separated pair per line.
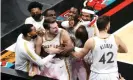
x,y
83,31
74,12
36,18
88,19
104,49
25,51
50,13
56,38
78,66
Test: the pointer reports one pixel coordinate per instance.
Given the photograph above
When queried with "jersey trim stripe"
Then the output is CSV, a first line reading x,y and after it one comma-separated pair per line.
x,y
25,46
28,66
67,69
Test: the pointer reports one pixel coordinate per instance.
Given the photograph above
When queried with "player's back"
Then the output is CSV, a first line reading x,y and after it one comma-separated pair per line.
x,y
104,55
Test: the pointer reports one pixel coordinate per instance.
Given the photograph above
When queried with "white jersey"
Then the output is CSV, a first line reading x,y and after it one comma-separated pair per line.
x,y
25,55
37,24
61,66
104,55
52,43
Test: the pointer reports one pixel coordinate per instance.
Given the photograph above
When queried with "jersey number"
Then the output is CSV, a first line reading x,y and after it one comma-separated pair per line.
x,y
104,60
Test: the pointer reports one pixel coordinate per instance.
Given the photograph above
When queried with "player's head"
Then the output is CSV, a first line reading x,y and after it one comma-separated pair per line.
x,y
35,9
51,25
74,12
50,13
28,30
81,33
87,14
71,22
103,23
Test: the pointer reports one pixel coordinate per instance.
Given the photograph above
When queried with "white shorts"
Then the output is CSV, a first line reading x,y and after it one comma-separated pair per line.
x,y
104,76
79,68
80,71
58,69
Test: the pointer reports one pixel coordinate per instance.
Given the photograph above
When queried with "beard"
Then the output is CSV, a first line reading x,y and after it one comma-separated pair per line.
x,y
33,37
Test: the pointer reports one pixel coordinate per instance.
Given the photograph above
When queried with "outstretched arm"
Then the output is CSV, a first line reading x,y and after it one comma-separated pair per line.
x,y
87,47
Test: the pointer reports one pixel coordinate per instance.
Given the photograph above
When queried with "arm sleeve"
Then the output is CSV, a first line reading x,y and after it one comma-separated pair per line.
x,y
33,57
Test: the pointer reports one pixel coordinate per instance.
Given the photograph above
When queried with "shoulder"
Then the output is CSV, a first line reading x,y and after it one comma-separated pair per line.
x,y
117,39
20,36
64,34
63,31
19,45
90,42
29,20
39,38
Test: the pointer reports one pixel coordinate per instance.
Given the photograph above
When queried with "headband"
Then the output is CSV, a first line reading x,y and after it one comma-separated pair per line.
x,y
88,11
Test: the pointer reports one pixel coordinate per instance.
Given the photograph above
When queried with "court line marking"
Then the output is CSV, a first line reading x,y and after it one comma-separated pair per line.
x,y
128,24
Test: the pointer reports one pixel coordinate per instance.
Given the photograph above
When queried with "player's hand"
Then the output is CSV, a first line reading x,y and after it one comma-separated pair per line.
x,y
71,23
53,50
65,51
41,32
32,73
120,77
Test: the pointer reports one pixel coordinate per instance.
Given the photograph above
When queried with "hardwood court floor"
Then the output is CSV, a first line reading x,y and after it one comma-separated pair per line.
x,y
126,35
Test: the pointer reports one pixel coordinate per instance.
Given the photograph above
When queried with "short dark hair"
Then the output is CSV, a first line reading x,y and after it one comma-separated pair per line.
x,y
81,33
47,10
78,10
47,21
102,22
34,5
26,28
